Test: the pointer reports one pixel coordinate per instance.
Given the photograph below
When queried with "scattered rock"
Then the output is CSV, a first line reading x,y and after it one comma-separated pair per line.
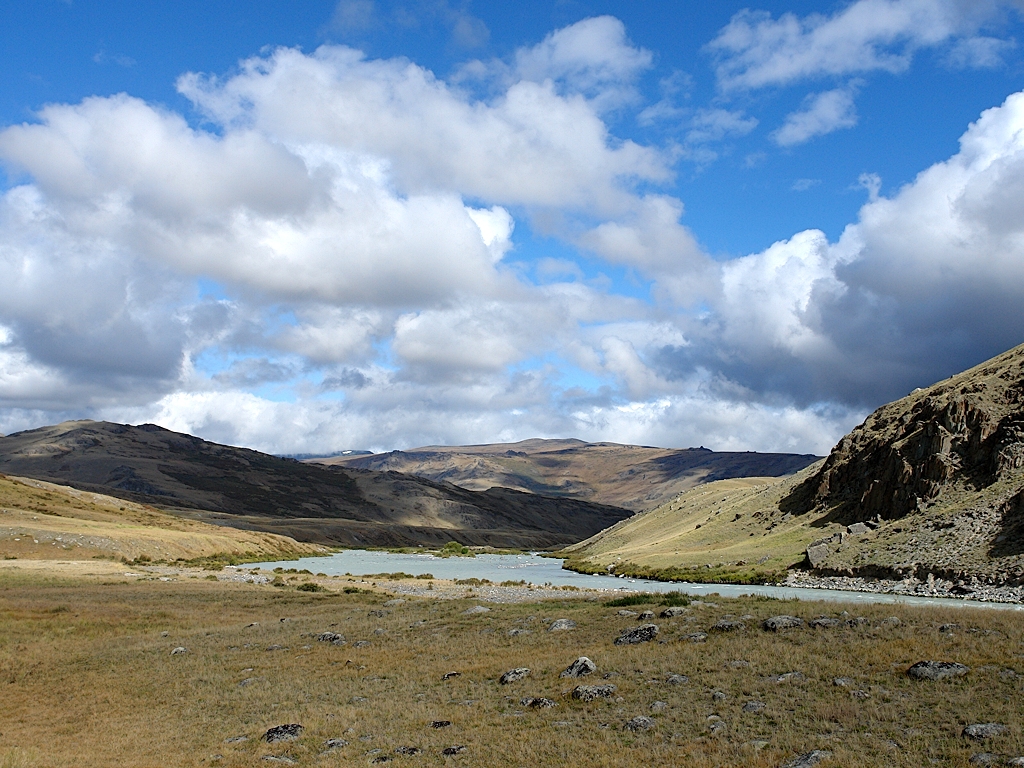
x,y
358,700
728,625
985,758
360,643
476,609
857,529
236,739
808,759
518,632
789,677
695,637
288,732
456,749
645,615
816,554
450,675
438,724
949,627
410,751
754,706
937,670
580,668
275,648
627,612
739,664
843,682
823,622
179,649
719,696
331,637
778,623
279,759
593,692
892,621
396,601
1015,761
659,706
247,681
677,679
335,743
561,625
675,610
538,703
980,731
513,675
642,634
639,724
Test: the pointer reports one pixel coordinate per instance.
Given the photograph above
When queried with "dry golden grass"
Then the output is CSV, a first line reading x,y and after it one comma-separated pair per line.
x,y
45,521
89,680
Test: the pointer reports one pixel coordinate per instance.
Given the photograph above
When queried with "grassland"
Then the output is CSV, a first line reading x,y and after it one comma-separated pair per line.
x,y
729,531
40,520
89,679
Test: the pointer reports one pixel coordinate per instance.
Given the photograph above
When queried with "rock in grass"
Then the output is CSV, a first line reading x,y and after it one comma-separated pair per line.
x,y
627,612
288,732
476,609
580,668
455,749
754,706
592,692
562,625
179,649
937,670
728,625
642,634
677,679
985,758
808,759
823,622
695,637
645,615
438,724
639,724
675,610
981,731
335,743
450,675
513,675
279,759
537,703
409,751
331,637
779,623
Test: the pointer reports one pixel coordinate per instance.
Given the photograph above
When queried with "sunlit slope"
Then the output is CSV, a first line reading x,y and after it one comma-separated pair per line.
x,y
730,530
40,520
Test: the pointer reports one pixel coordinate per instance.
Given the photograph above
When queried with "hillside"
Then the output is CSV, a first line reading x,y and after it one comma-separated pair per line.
x,y
929,487
251,490
631,476
44,521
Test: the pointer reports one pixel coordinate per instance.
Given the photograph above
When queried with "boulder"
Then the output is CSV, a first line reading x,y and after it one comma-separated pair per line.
x,y
778,623
593,692
981,731
642,634
823,622
513,675
645,615
937,670
331,637
178,650
728,625
639,724
537,703
808,759
626,612
580,668
561,625
456,749
287,732
816,554
857,529
335,743
675,610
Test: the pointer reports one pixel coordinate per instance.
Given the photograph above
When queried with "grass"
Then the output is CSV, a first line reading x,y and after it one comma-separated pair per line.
x,y
89,680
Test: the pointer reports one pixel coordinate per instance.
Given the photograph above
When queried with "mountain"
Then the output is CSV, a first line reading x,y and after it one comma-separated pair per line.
x,y
631,476
929,486
313,503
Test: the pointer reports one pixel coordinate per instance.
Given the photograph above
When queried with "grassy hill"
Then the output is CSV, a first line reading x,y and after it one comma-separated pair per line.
x,y
632,476
44,521
251,490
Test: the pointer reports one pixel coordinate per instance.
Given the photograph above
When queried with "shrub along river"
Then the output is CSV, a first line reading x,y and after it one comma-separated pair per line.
x,y
538,570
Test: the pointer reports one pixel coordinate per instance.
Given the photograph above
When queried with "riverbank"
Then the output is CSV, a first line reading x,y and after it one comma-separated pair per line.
x,y
911,587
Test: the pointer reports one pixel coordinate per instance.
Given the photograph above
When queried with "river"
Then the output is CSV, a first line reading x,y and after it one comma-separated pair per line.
x,y
538,570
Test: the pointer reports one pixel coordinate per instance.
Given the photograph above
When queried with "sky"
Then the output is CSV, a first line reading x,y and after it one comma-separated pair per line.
x,y
379,224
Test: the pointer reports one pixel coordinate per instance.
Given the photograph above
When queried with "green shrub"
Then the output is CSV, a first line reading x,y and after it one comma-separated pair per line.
x,y
309,586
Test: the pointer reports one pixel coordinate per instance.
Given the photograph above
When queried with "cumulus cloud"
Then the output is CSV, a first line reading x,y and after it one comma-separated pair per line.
x,y
756,50
821,114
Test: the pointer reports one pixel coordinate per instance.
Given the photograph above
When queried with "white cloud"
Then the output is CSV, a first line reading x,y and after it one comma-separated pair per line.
x,y
755,50
715,124
822,113
979,52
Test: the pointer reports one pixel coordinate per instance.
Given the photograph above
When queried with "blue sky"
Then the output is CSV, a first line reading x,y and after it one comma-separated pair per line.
x,y
369,224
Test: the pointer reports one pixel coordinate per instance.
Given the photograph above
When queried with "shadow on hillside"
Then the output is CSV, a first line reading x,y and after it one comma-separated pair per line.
x,y
1010,539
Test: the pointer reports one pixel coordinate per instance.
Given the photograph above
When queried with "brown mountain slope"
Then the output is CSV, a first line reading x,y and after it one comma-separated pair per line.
x,y
250,490
940,473
631,476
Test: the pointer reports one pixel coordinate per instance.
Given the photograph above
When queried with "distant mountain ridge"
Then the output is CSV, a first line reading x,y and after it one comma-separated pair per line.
x,y
631,476
309,502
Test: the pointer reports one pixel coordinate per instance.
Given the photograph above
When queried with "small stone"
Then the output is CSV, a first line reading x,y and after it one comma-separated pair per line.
x,y
438,724
823,622
642,634
1016,760
892,621
639,724
646,615
380,631
719,696
335,743
179,649
754,706
593,692
513,675
728,625
247,681
450,675
808,759
675,610
456,749
410,751
562,625
396,601
538,703
677,679
843,682
165,633
288,732
980,731
659,706
275,647
278,759
331,637
475,610
360,643
779,623
937,670
626,612
789,677
985,758
695,637
580,668
949,627
518,632
236,739
358,700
